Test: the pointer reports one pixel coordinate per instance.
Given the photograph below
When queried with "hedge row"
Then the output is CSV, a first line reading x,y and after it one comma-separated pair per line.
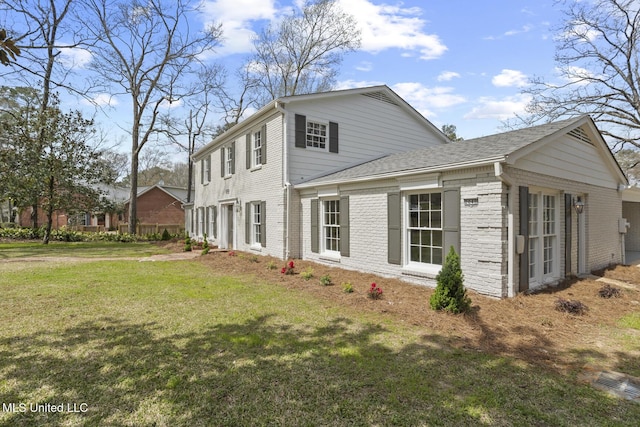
x,y
65,235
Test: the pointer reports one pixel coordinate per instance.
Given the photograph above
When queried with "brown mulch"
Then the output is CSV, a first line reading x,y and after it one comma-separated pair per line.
x,y
527,327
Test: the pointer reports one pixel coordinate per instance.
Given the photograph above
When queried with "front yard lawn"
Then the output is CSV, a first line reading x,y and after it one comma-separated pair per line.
x,y
182,344
78,249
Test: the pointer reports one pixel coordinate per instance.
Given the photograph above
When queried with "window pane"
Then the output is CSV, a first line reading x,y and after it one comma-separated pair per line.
x,y
436,201
436,219
413,219
424,219
437,256
413,202
437,238
415,253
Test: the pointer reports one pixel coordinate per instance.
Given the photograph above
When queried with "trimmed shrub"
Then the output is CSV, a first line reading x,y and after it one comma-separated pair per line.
x,y
450,294
608,291
570,306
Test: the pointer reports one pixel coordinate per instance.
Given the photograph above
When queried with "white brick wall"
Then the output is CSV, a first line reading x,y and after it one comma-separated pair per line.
x,y
484,236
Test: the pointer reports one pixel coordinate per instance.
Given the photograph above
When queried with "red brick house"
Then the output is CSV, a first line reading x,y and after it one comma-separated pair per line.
x,y
159,204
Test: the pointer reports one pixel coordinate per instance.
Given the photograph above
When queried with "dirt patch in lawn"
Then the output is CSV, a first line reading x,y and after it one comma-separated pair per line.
x,y
527,327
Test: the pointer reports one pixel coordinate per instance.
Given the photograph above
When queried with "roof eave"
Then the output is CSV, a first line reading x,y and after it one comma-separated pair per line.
x,y
406,172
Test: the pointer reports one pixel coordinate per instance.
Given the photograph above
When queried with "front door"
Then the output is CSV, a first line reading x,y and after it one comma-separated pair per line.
x,y
229,224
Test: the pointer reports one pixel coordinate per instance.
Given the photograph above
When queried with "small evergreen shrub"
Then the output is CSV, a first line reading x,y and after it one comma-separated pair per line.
x,y
187,243
325,280
254,258
450,294
347,288
271,265
307,273
205,245
165,235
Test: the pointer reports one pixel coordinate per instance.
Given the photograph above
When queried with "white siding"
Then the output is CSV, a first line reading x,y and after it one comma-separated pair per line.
x,y
368,128
570,159
248,185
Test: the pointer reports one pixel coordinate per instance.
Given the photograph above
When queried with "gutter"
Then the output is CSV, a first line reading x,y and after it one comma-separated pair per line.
x,y
510,183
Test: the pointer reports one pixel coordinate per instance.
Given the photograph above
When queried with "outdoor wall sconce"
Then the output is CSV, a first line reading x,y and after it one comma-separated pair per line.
x,y
578,204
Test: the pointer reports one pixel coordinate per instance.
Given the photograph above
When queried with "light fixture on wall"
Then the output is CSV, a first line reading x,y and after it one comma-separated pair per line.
x,y
578,204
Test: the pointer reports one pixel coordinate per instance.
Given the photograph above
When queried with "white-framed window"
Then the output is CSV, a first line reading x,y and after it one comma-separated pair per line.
x,y
212,221
256,224
228,161
543,237
256,148
424,228
317,135
201,222
206,169
331,225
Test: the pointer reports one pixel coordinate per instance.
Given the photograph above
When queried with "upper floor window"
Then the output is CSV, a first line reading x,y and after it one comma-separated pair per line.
x,y
206,169
228,159
316,135
311,133
257,148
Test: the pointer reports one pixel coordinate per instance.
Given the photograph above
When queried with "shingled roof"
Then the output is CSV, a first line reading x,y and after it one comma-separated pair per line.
x,y
455,155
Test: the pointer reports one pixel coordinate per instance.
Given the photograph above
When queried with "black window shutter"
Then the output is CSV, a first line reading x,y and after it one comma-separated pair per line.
x,y
222,152
301,131
247,223
567,234
263,135
248,150
202,171
394,228
333,137
524,231
263,224
315,232
206,222
233,157
209,168
344,226
450,221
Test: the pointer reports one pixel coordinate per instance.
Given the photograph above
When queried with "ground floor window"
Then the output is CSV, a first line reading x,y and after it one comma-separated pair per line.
x,y
331,225
256,225
543,237
424,228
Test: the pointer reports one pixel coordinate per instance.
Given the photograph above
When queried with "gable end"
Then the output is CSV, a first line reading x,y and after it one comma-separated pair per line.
x,y
380,96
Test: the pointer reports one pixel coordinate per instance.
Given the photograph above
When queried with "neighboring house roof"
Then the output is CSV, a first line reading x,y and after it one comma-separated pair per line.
x,y
380,92
504,147
179,193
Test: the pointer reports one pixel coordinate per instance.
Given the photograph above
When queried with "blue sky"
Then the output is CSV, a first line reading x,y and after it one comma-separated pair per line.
x,y
458,62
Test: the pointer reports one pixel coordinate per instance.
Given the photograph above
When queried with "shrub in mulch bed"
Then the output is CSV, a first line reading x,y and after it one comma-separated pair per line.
x,y
570,306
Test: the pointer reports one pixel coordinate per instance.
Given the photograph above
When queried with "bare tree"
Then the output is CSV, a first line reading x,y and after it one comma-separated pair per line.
x,y
598,61
302,53
147,50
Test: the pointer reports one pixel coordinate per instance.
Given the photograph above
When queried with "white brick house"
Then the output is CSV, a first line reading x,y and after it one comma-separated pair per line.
x,y
359,180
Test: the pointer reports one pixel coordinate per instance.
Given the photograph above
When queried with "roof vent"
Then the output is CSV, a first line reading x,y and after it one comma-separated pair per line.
x,y
580,135
381,96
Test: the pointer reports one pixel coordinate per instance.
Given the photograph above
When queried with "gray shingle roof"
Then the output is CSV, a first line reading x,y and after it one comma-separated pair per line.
x,y
486,149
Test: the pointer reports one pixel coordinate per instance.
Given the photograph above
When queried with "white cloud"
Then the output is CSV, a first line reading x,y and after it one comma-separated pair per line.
x,y
524,29
364,66
102,100
576,75
428,99
386,26
237,18
510,78
446,76
501,109
75,57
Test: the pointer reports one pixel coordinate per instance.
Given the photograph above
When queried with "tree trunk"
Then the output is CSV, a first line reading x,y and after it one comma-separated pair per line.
x,y
34,214
47,231
133,194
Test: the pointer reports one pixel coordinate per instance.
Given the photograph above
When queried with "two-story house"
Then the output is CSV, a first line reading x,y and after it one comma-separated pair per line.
x,y
360,180
245,197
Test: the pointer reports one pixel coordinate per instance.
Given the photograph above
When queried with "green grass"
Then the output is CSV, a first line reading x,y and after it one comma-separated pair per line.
x,y
78,249
174,344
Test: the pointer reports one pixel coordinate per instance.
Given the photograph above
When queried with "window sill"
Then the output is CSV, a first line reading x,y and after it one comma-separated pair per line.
x,y
228,176
255,168
255,248
429,271
330,256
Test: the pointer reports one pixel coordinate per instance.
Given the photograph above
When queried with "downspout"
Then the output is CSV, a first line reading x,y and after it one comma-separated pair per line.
x,y
508,181
285,176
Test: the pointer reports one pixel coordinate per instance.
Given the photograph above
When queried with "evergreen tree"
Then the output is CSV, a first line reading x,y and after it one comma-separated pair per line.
x,y
450,294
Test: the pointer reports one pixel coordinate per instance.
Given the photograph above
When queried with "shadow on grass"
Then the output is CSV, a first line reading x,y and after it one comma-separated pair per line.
x,y
264,373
